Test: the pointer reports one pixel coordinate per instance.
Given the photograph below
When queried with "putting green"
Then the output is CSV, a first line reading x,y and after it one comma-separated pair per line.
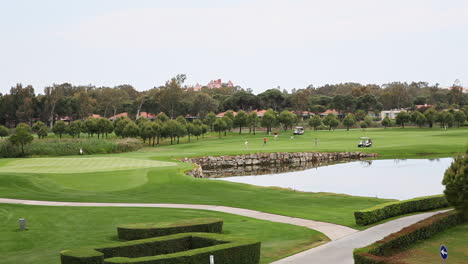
x,y
79,165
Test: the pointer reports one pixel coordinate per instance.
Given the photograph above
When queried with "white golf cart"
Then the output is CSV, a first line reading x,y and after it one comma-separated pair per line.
x,y
298,131
364,142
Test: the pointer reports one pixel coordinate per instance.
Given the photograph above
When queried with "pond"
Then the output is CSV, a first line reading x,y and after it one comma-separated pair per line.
x,y
396,178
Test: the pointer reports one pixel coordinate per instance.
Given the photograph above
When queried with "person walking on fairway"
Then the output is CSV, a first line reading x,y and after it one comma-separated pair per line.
x,y
264,141
246,145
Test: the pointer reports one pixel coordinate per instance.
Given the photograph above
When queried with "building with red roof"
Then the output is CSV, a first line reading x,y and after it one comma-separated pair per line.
x,y
147,115
113,118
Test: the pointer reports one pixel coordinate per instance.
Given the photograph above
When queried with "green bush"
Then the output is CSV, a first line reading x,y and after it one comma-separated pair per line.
x,y
187,248
387,210
66,147
147,230
377,252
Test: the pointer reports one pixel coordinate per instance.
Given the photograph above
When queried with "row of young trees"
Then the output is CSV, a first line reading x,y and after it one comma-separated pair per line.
x,y
174,98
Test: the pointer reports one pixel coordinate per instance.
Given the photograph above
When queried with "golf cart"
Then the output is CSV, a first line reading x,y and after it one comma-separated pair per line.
x,y
364,142
298,131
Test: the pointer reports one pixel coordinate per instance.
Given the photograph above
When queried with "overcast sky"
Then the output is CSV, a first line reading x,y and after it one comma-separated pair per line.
x,y
258,44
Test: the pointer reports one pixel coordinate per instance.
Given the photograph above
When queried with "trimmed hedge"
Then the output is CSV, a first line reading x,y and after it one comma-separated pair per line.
x,y
387,210
147,230
187,248
378,252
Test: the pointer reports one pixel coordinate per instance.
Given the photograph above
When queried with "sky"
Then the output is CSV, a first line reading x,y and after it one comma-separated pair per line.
x,y
258,44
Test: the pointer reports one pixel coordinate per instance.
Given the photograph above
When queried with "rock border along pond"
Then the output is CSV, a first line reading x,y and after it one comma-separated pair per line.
x,y
261,163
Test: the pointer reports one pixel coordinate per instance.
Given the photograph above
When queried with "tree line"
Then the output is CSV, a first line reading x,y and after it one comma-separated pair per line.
x,y
174,98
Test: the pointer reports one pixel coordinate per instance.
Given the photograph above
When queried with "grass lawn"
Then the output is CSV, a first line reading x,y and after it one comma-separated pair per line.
x,y
428,251
169,185
52,229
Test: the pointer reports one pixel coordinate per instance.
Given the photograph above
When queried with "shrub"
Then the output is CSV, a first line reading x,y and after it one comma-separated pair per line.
x,y
387,210
456,184
147,230
189,248
377,252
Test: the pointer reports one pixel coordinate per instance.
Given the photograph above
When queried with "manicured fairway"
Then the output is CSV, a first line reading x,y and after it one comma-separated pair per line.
x,y
79,165
427,251
170,185
52,229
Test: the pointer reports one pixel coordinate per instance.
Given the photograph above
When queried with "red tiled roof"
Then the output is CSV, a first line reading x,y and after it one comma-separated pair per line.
x,y
147,115
223,113
124,114
95,116
422,106
330,111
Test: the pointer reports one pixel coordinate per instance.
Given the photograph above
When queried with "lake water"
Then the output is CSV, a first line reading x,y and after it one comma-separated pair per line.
x,y
396,178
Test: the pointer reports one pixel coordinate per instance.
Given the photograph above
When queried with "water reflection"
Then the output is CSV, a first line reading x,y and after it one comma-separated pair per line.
x,y
398,179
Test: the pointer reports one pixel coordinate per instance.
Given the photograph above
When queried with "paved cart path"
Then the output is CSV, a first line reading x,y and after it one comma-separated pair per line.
x,y
338,251
333,231
341,251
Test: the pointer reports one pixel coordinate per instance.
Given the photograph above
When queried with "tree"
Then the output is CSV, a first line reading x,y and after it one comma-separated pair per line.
x,y
343,103
210,120
146,131
402,118
59,128
181,131
229,119
190,130
75,128
22,136
418,118
360,115
349,121
240,120
456,184
157,131
162,117
269,120
315,122
119,125
430,115
90,126
130,130
170,129
253,121
459,117
220,126
43,132
3,131
331,121
445,119
287,119
386,122
368,121
38,129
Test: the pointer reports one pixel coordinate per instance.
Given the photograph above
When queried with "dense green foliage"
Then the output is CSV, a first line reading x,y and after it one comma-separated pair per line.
x,y
22,136
69,146
190,248
4,131
147,230
377,252
456,183
387,210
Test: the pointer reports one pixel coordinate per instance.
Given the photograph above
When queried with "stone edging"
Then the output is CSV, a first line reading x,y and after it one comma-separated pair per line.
x,y
276,158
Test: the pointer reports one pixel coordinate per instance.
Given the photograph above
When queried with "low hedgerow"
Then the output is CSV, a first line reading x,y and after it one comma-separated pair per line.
x,y
147,230
188,248
378,252
391,209
69,146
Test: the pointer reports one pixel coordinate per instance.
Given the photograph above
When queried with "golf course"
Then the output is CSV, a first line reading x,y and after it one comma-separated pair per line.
x,y
157,175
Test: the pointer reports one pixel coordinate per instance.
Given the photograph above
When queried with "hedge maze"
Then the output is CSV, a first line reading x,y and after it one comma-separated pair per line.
x,y
172,243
